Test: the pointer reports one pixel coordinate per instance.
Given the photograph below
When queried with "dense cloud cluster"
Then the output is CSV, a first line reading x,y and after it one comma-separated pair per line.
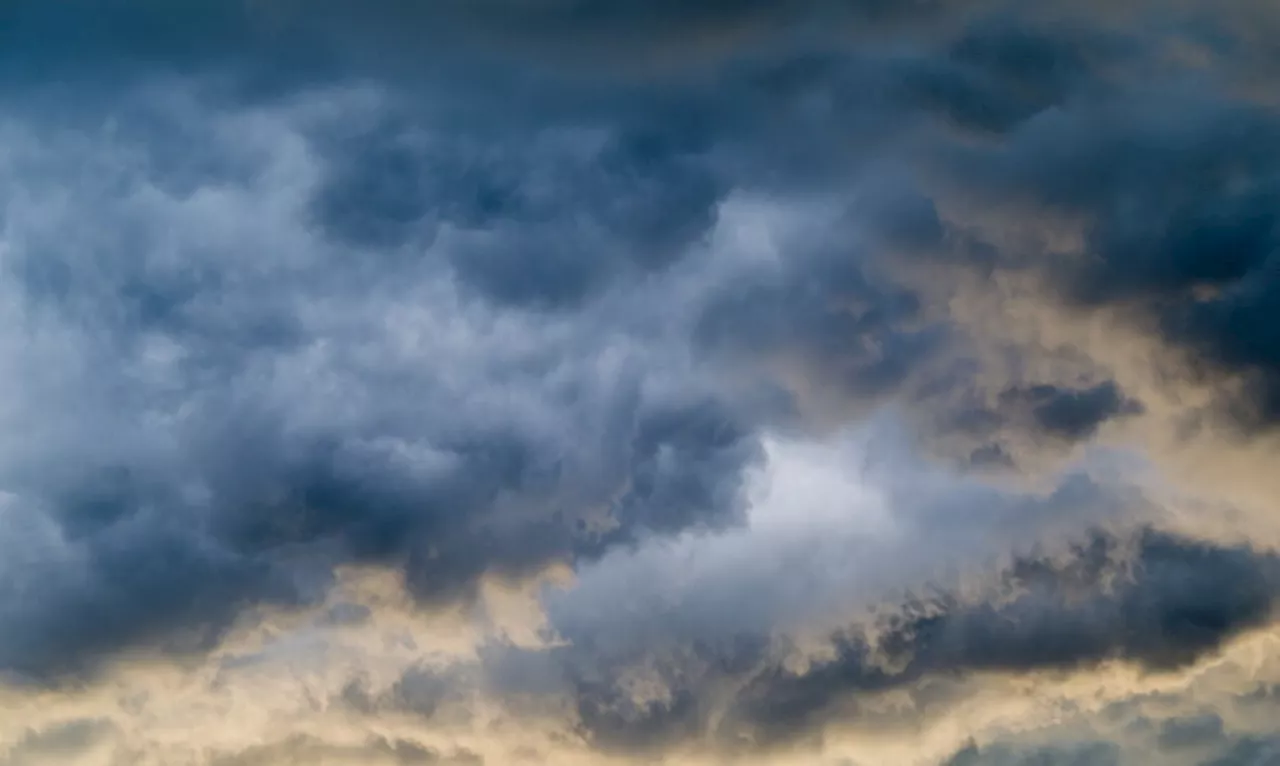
x,y
471,292
1155,601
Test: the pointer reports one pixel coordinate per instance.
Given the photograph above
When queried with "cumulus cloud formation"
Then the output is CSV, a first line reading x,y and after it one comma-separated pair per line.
x,y
568,381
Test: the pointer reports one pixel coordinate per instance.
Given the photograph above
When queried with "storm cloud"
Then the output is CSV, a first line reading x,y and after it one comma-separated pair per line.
x,y
475,295
1154,601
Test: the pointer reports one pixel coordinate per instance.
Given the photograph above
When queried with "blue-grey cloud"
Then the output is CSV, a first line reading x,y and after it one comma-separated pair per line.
x,y
1152,601
474,289
1100,753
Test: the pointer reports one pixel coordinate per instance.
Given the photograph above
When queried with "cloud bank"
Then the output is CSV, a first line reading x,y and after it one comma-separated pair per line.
x,y
554,381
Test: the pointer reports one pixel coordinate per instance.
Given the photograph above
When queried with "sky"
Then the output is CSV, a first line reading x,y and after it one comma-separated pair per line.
x,y
608,382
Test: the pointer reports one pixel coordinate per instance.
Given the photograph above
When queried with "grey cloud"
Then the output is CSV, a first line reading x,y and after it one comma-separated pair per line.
x,y
1202,739
423,691
135,582
413,472
141,580
778,578
1178,228
1071,414
301,749
1156,601
58,743
472,324
1180,602
531,223
1248,751
827,314
283,429
1264,694
993,433
1089,754
1176,602
1190,732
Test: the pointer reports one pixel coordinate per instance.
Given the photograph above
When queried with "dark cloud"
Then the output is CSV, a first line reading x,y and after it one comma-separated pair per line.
x,y
270,476
642,202
236,476
1155,601
1178,602
276,45
1178,223
142,573
1089,754
436,287
1173,602
527,223
137,580
1070,414
992,433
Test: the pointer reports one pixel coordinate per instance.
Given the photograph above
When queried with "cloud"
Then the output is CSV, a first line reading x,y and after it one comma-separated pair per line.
x,y
726,309
1190,732
1160,616
375,751
60,743
1155,602
259,407
1097,753
1175,233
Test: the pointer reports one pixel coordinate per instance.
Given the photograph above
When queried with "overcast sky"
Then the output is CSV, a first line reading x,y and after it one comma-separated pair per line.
x,y
595,382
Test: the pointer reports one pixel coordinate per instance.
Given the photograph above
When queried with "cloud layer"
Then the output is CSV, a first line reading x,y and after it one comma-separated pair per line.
x,y
589,382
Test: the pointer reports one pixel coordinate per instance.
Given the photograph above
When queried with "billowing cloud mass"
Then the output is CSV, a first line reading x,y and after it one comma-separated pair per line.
x,y
841,382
